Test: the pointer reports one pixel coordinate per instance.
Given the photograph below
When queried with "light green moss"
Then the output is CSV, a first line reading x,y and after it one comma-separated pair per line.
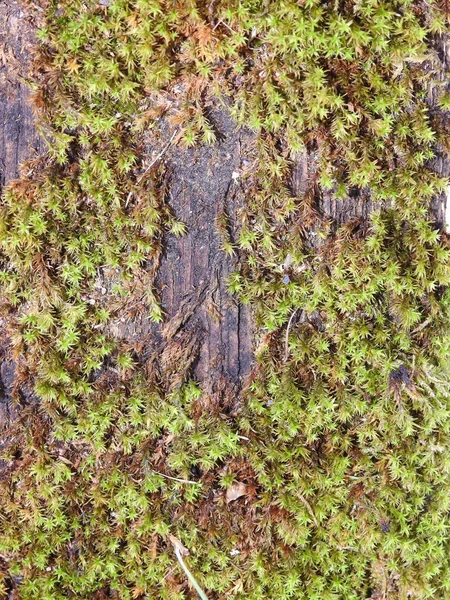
x,y
342,443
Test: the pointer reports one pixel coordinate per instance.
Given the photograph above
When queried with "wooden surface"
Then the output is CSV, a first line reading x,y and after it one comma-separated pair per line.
x,y
359,205
194,271
200,314
18,138
206,333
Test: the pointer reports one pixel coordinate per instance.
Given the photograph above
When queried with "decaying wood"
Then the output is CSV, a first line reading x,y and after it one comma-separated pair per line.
x,y
441,163
206,333
18,138
194,270
19,141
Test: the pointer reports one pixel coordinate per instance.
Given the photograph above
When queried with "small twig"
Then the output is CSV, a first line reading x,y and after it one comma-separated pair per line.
x,y
220,22
286,344
128,199
211,14
169,572
421,326
265,11
155,160
385,583
191,578
175,478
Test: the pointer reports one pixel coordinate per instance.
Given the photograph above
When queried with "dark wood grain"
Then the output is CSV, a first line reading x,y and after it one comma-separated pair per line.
x,y
19,141
18,138
358,205
204,188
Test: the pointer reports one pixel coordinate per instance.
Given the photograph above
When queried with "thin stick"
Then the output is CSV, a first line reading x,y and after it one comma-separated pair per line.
x,y
191,578
421,326
223,23
128,199
176,478
266,9
166,147
211,13
286,344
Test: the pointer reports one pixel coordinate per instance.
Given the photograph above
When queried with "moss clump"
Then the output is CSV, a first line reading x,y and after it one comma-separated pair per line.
x,y
331,481
101,493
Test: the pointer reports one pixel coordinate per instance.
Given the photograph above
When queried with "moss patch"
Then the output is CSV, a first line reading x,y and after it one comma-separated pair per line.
x,y
331,480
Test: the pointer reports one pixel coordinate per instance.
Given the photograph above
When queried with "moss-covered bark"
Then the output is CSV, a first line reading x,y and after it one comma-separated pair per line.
x,y
327,476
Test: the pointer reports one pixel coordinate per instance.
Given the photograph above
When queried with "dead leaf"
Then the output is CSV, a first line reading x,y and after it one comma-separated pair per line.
x,y
178,545
237,490
137,591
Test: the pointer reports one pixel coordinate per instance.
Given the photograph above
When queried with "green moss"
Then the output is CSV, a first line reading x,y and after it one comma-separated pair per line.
x,y
342,445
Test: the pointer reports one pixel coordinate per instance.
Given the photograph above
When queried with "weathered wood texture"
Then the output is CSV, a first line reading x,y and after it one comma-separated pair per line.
x,y
18,138
441,163
200,314
205,188
205,329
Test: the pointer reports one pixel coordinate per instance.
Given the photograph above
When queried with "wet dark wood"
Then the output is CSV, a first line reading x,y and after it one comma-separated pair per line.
x,y
18,138
205,188
207,333
441,163
193,273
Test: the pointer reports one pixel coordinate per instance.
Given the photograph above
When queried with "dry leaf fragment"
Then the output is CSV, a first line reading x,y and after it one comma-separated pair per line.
x,y
137,591
237,490
178,545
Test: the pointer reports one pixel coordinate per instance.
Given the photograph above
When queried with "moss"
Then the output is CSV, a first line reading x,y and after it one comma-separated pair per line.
x,y
341,449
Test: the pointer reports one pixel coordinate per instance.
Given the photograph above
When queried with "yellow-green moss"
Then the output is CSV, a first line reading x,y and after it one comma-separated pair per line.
x,y
342,445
